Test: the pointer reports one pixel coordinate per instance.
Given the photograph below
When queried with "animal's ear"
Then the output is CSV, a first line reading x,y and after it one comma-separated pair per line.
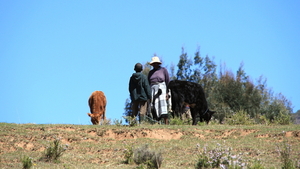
x,y
192,105
91,115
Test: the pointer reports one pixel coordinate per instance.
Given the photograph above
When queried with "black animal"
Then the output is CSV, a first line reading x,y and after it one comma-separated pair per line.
x,y
192,94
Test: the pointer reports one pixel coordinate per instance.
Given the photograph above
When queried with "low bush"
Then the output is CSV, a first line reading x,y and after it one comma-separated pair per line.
x,y
117,122
27,162
132,121
240,118
144,157
282,119
128,155
54,152
176,121
256,164
262,119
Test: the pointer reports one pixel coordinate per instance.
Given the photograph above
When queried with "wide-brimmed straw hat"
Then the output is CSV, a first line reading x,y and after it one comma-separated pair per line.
x,y
155,59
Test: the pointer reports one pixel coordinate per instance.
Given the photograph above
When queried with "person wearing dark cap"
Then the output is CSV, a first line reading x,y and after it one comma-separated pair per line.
x,y
140,92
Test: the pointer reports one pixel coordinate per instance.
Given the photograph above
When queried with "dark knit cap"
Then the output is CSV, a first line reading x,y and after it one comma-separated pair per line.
x,y
138,67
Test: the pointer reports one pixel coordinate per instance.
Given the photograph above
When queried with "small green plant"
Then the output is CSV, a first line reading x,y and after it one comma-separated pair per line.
x,y
118,122
128,155
256,164
179,121
132,121
54,152
201,123
203,161
27,162
176,121
285,155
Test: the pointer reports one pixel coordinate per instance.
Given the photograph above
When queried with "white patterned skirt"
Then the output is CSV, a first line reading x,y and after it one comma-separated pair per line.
x,y
159,102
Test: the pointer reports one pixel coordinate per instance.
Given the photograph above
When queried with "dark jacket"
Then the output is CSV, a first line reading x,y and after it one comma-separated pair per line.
x,y
139,87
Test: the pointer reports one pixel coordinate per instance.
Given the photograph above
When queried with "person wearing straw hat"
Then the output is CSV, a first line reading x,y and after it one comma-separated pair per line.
x,y
140,92
158,79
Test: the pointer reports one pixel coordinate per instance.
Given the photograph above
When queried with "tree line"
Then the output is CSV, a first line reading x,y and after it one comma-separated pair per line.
x,y
230,94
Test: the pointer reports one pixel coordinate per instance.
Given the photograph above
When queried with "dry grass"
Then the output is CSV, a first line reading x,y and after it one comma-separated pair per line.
x,y
103,146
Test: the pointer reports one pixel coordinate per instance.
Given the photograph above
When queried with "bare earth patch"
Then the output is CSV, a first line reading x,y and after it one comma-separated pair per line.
x,y
142,133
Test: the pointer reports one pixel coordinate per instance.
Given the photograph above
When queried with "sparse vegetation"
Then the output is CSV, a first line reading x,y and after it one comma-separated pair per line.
x,y
143,156
176,121
105,146
128,155
219,157
255,164
132,121
54,152
285,152
27,162
240,118
118,122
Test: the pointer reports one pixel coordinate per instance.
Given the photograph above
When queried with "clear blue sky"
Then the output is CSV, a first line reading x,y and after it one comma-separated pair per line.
x,y
54,54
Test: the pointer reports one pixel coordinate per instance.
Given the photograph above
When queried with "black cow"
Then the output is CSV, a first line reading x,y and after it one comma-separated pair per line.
x,y
192,94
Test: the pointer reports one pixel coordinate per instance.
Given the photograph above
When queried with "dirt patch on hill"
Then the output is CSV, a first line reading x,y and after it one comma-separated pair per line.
x,y
163,134
167,134
282,134
30,139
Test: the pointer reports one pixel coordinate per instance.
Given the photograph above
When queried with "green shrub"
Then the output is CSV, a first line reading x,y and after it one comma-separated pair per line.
x,y
118,122
282,119
240,118
176,121
27,162
262,119
128,155
144,156
256,164
179,121
203,161
132,121
201,123
54,151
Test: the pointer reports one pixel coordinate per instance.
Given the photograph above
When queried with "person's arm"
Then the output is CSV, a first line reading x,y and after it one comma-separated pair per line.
x,y
149,75
147,88
167,78
130,86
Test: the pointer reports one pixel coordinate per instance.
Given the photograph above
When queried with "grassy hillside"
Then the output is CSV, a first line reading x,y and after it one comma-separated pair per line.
x,y
89,146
